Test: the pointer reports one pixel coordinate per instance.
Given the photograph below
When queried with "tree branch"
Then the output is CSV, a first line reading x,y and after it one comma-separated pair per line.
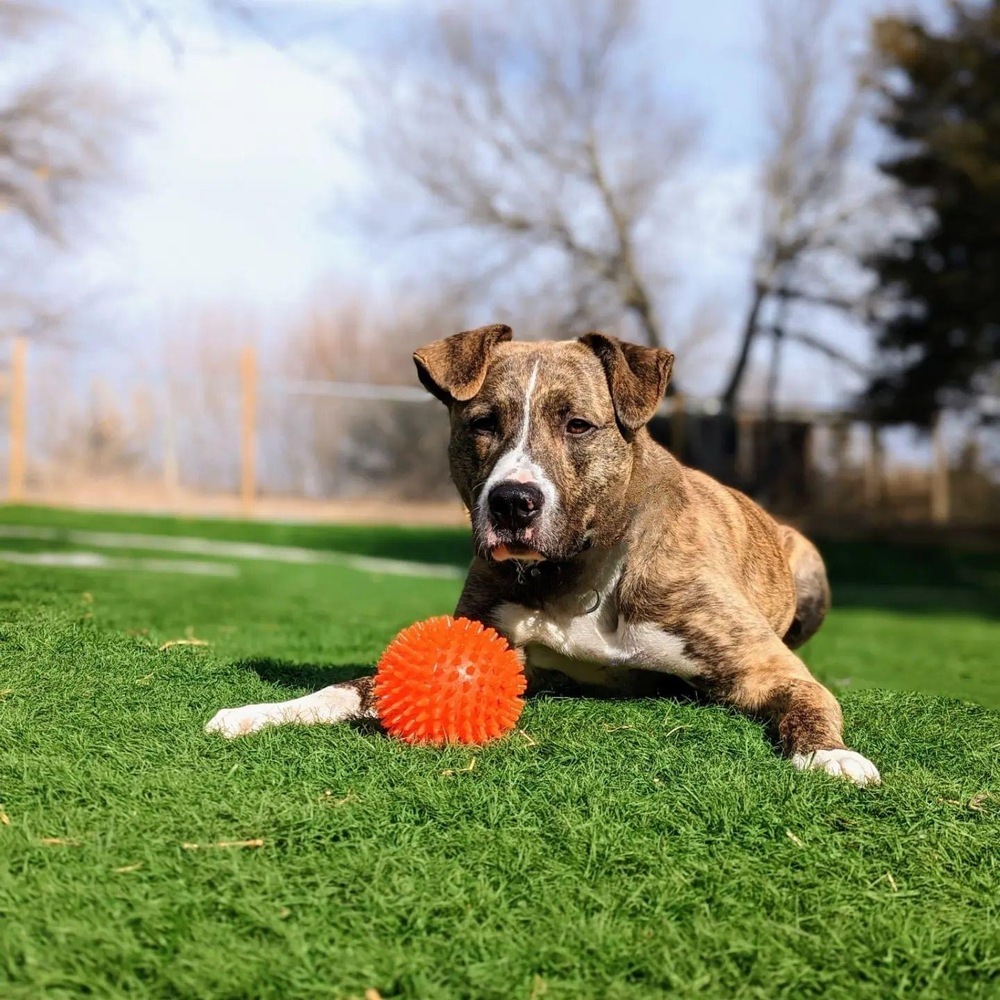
x,y
815,343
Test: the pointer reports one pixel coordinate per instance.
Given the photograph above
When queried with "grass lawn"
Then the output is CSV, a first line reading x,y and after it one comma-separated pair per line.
x,y
608,850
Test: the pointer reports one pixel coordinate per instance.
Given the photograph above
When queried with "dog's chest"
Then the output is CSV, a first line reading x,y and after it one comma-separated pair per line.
x,y
585,637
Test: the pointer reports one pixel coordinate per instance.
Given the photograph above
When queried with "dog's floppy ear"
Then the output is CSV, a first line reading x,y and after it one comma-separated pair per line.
x,y
637,376
454,368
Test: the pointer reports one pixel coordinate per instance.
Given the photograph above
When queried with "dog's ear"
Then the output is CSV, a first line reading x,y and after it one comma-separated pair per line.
x,y
454,368
637,376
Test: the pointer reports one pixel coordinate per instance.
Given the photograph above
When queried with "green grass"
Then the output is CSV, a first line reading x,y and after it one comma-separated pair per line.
x,y
618,850
435,545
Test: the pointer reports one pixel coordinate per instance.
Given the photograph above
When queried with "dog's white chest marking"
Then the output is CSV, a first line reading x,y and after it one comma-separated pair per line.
x,y
588,630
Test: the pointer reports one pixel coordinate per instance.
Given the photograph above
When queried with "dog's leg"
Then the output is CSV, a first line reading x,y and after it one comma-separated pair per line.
x,y
338,703
812,589
765,678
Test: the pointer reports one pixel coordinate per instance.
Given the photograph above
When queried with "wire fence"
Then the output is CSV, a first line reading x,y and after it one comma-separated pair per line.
x,y
231,437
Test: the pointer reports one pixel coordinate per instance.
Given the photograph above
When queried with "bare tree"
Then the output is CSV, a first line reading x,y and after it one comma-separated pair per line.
x,y
815,206
537,136
60,134
536,144
334,444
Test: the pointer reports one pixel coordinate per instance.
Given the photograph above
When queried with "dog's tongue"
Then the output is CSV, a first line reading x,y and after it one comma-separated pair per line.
x,y
501,553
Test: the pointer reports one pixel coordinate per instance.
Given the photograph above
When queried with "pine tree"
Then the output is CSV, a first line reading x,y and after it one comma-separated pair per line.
x,y
939,323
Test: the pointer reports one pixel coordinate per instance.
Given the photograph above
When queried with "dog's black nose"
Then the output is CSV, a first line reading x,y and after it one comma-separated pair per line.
x,y
515,505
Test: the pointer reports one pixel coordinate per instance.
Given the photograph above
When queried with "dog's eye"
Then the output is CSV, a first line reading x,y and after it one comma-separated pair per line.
x,y
577,426
485,424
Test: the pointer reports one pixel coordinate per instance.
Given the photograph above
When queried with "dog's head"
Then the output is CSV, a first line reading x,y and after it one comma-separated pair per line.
x,y
542,435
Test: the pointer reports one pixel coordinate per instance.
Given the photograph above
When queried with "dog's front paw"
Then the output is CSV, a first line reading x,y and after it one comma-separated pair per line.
x,y
231,722
841,764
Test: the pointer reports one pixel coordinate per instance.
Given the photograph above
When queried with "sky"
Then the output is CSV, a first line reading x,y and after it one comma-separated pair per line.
x,y
233,177
236,176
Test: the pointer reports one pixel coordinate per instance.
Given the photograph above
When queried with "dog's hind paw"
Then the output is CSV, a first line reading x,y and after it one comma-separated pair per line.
x,y
841,764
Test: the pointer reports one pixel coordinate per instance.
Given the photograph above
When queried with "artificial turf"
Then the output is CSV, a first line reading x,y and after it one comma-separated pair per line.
x,y
608,849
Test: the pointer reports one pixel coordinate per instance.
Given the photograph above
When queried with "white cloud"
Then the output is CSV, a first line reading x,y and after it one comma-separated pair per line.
x,y
236,176
233,179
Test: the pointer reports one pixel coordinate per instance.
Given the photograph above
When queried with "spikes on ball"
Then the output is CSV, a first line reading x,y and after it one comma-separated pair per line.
x,y
448,680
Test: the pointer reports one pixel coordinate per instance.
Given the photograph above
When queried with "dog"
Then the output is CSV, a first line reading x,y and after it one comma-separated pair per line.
x,y
600,558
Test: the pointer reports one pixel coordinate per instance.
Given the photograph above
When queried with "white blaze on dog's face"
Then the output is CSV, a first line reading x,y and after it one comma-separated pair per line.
x,y
542,435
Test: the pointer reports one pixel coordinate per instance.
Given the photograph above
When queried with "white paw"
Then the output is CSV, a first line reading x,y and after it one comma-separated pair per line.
x,y
240,721
841,764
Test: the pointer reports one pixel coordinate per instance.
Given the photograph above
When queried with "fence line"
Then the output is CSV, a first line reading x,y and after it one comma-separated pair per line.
x,y
348,390
940,477
17,451
851,482
248,428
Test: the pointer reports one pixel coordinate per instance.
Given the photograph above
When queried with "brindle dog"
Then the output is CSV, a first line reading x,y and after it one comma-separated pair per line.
x,y
604,560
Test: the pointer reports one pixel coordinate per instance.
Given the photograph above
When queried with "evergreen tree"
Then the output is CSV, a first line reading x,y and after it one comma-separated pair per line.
x,y
938,323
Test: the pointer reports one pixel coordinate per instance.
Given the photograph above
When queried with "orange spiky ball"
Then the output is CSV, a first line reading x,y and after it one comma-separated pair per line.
x,y
448,680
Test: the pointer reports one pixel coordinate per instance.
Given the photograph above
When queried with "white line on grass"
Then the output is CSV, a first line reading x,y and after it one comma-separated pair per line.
x,y
231,550
97,560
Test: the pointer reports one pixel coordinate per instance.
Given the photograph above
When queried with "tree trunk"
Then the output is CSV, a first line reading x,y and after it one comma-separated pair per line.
x,y
738,372
641,306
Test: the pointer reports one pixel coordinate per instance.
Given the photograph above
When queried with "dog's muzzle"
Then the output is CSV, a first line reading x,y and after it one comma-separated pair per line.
x,y
514,506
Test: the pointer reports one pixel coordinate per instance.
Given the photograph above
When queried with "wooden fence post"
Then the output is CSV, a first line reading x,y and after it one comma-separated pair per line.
x,y
874,468
810,472
171,465
248,429
837,495
940,476
16,452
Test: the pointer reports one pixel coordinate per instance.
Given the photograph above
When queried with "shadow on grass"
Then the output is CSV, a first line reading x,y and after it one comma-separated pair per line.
x,y
642,685
892,569
912,577
304,675
439,545
313,677
909,576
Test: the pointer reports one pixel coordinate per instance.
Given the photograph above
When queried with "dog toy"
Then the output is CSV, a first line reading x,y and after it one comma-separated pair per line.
x,y
448,680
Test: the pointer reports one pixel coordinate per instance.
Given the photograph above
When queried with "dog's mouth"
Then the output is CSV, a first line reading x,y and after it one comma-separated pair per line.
x,y
503,545
515,550
524,548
